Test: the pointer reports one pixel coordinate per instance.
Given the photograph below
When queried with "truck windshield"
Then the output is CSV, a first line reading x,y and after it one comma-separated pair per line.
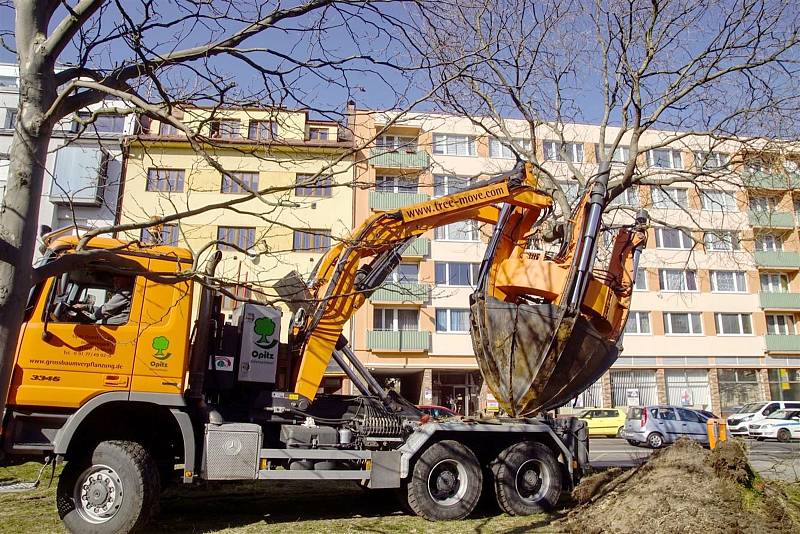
x,y
753,407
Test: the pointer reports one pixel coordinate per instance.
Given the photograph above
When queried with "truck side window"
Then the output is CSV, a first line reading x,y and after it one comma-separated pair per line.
x,y
92,297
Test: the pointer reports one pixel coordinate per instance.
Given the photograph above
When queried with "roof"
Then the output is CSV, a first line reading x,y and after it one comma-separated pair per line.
x,y
159,251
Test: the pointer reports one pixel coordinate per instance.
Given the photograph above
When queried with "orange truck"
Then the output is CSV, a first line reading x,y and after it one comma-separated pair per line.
x,y
115,376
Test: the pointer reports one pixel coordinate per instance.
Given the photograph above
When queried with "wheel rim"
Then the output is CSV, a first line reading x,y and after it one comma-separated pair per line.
x,y
655,440
98,494
783,435
447,482
532,480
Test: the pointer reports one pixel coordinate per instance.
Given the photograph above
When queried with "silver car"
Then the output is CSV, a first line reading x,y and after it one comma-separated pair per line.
x,y
658,425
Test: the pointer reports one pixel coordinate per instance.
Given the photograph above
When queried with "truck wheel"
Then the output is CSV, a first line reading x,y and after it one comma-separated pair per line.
x,y
784,435
116,490
446,482
527,479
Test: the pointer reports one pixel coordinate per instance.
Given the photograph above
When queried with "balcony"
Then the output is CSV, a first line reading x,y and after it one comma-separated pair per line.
x,y
780,301
775,181
771,219
419,248
398,159
402,293
383,201
398,341
783,344
777,259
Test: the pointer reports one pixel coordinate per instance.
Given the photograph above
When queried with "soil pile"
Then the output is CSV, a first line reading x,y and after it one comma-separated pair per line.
x,y
683,488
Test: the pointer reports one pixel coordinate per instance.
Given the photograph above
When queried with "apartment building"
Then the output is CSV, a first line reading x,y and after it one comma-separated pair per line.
x,y
714,322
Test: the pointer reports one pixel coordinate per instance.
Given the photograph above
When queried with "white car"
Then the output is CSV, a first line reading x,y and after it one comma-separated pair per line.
x,y
782,425
755,412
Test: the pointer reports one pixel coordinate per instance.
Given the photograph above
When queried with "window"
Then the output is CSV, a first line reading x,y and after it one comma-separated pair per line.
x,y
452,320
733,324
164,234
236,236
572,151
629,197
165,180
225,129
753,165
710,161
728,282
670,197
396,184
318,134
312,240
80,175
638,323
780,325
682,323
457,231
167,129
640,283
673,238
11,119
8,81
248,178
405,273
738,387
769,242
571,191
721,201
454,145
444,184
262,130
456,273
688,415
102,123
394,319
310,185
665,158
239,291
784,384
620,156
92,297
774,282
498,149
721,241
763,204
396,142
677,280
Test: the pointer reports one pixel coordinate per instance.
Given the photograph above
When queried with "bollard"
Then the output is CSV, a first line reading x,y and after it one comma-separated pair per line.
x,y
717,431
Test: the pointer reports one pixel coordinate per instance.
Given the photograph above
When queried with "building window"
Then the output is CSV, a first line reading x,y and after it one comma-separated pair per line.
x,y
249,179
769,242
11,119
453,273
733,324
240,292
313,185
396,142
163,234
396,184
457,231
664,158
395,319
571,151
754,165
784,385
629,197
638,323
167,129
165,180
737,387
678,323
445,184
780,324
721,241
673,238
720,201
774,282
225,129
405,273
620,156
670,197
728,282
677,280
454,145
102,123
311,240
262,130
236,237
763,204
452,320
503,150
710,161
318,134
640,283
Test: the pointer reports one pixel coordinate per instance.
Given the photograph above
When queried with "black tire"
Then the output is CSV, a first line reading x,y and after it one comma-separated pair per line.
x,y
446,482
619,432
784,436
760,438
655,440
527,479
125,487
633,442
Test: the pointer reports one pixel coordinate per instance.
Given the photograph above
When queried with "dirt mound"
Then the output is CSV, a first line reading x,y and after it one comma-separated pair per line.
x,y
682,488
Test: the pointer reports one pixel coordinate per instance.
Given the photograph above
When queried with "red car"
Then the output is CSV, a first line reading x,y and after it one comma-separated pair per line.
x,y
437,412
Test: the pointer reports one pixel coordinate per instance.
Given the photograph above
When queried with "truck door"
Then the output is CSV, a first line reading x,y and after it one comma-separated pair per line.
x,y
80,340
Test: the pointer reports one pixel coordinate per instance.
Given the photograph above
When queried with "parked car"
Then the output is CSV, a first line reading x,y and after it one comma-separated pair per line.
x,y
603,422
437,412
738,423
658,425
708,415
783,425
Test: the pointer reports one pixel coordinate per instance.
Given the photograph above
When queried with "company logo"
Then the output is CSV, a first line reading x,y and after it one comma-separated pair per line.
x,y
264,327
160,344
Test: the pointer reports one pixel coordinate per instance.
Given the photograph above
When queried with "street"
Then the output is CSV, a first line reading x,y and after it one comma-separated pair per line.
x,y
773,460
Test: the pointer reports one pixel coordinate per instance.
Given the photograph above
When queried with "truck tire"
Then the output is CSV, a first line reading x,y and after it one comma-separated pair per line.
x,y
446,482
527,479
115,490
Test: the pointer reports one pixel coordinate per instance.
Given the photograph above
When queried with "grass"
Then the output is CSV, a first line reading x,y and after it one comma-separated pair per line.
x,y
285,507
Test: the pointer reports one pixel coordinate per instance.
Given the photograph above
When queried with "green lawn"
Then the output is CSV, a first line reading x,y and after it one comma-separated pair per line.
x,y
260,507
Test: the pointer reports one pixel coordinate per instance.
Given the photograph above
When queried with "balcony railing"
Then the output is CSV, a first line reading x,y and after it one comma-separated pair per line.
x,y
382,201
778,259
418,248
398,159
771,219
766,180
783,344
398,341
405,292
780,301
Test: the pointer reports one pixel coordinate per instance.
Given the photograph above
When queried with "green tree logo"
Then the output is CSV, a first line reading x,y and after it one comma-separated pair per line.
x,y
264,327
160,344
